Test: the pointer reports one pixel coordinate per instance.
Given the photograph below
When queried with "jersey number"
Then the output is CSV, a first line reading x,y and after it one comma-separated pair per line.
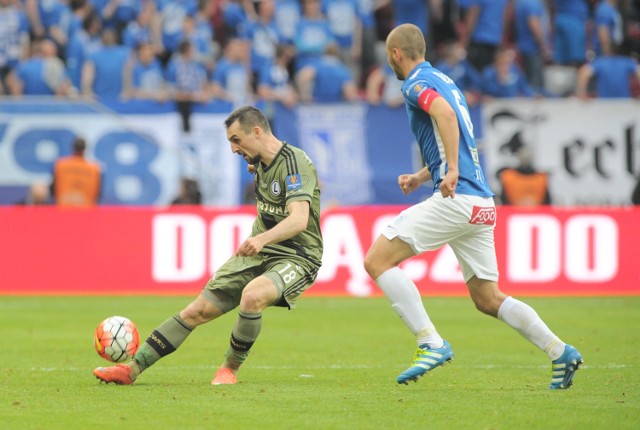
x,y
463,111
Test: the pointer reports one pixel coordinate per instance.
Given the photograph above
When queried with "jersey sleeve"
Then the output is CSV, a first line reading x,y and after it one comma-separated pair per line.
x,y
420,95
301,181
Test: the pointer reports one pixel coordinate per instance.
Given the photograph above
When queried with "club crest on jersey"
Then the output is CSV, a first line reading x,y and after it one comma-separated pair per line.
x,y
275,188
293,182
483,216
417,88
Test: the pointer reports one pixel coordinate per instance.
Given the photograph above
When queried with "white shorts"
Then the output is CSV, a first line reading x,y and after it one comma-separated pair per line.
x,y
465,222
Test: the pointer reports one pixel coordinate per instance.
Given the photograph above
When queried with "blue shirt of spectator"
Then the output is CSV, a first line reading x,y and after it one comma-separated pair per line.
x,y
366,12
331,76
414,12
68,22
50,11
577,8
525,39
186,75
342,16
312,37
263,40
504,79
32,75
172,13
612,74
80,47
464,75
570,33
125,11
233,78
607,16
109,61
490,25
235,19
287,15
14,28
148,77
135,34
274,76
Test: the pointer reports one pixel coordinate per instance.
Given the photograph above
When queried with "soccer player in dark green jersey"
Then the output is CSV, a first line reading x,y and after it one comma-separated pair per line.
x,y
272,267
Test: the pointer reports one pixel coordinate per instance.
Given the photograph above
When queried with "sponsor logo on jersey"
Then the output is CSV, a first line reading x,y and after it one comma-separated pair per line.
x,y
294,182
483,216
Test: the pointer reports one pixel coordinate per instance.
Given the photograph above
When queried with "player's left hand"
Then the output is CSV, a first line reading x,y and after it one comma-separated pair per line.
x,y
449,183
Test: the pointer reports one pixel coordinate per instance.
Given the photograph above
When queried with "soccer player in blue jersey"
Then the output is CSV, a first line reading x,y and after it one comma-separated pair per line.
x,y
460,213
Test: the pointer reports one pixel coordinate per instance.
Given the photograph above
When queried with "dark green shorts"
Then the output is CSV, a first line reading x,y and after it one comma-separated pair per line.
x,y
291,275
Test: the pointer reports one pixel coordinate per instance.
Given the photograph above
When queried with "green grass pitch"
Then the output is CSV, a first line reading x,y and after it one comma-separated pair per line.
x,y
330,364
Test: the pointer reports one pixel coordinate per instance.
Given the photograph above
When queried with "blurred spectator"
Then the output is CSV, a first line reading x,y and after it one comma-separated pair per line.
x,y
630,11
205,33
312,36
117,14
44,17
383,86
76,181
43,74
145,28
171,16
14,39
38,194
524,185
188,82
235,15
144,77
328,80
275,81
231,78
608,30
455,65
570,20
84,42
102,72
189,193
201,38
368,36
613,76
482,30
504,79
72,18
287,15
263,37
532,39
346,28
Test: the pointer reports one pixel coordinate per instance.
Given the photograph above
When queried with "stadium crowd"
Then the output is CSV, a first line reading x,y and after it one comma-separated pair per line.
x,y
296,51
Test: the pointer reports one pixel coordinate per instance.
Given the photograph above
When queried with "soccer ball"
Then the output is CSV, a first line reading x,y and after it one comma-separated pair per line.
x,y
116,339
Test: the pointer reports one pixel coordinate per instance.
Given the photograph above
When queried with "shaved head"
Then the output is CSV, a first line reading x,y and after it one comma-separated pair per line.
x,y
409,39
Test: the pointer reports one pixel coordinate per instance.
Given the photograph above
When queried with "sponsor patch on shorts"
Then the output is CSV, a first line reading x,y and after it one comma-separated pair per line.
x,y
483,215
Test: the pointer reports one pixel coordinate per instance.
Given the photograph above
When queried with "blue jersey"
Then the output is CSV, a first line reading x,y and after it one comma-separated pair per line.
x,y
471,179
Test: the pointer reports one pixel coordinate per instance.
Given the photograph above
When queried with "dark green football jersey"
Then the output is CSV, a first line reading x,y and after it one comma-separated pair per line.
x,y
290,177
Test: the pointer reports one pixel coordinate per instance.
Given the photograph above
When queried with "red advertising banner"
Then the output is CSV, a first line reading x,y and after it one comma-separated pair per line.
x,y
123,250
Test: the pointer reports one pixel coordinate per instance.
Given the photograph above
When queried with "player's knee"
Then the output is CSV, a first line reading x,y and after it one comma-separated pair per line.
x,y
373,266
198,313
253,300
